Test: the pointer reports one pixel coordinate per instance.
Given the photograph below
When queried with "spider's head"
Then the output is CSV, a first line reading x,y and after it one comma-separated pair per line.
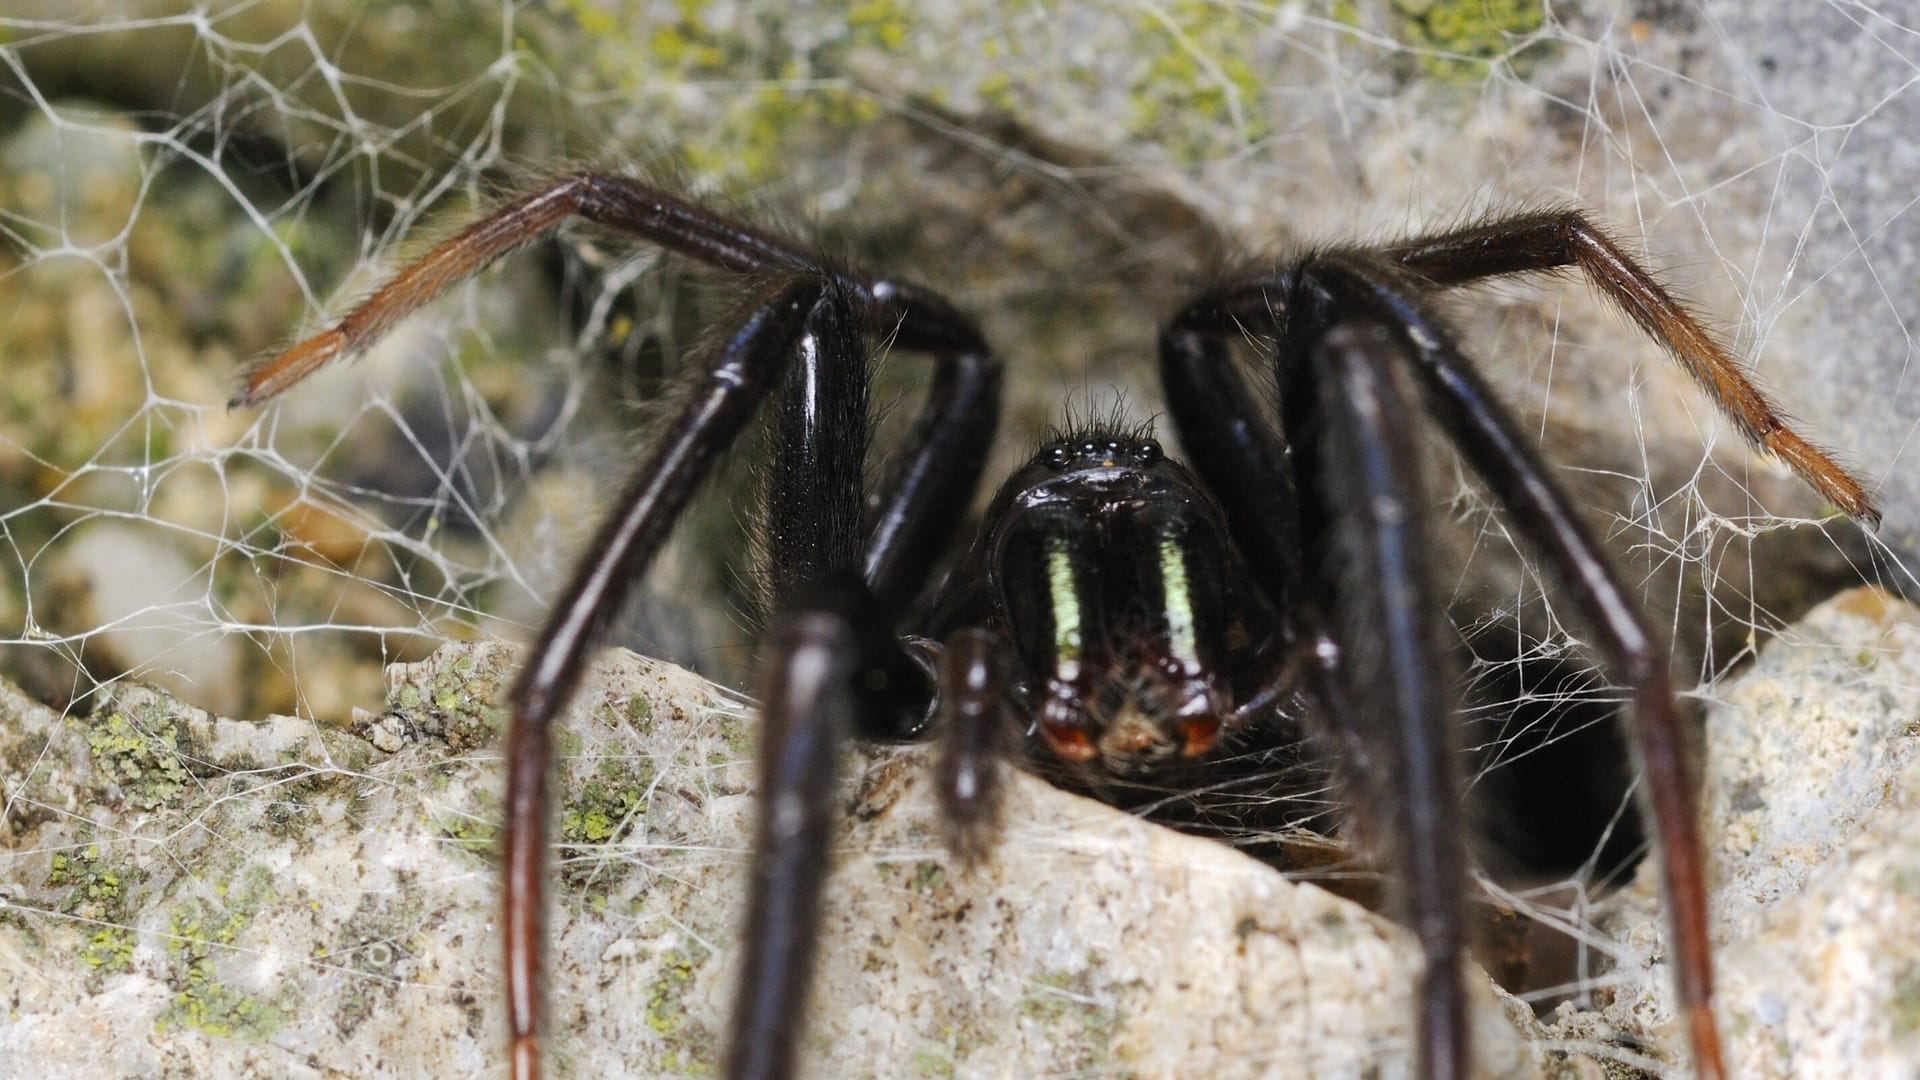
x,y
1108,566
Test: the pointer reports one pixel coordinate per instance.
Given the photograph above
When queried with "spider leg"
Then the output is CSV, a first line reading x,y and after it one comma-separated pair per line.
x,y
1231,447
834,668
938,465
977,733
1388,689
1531,243
812,314
741,373
810,693
936,469
945,448
1522,482
1380,681
613,201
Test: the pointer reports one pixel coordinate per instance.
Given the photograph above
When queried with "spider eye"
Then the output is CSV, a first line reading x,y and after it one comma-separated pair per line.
x,y
1089,448
1057,455
1147,451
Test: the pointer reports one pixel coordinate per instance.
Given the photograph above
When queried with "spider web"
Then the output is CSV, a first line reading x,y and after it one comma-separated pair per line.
x,y
184,187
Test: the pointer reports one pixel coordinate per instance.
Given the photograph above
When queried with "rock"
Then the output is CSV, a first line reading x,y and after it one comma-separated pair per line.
x,y
1812,810
230,899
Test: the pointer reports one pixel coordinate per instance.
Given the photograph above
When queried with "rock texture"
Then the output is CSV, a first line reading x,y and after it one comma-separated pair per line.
x,y
190,895
1812,807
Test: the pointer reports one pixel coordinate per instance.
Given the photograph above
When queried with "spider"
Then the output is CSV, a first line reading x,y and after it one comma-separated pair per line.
x,y
1116,612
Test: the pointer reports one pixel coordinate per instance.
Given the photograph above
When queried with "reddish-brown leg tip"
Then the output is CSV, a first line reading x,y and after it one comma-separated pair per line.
x,y
276,375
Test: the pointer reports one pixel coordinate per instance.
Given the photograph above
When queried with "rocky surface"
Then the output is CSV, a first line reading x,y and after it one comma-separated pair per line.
x,y
184,893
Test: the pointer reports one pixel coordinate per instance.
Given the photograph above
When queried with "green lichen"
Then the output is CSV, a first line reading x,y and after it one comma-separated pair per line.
x,y
200,931
936,1061
216,1008
109,949
456,699
139,750
928,875
640,713
805,82
97,893
598,814
686,1041
636,714
1199,96
286,817
1905,1006
943,1056
1084,1028
607,804
1460,39
996,91
753,142
879,24
476,834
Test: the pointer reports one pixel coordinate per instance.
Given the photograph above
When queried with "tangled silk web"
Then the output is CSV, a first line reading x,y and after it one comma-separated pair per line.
x,y
183,187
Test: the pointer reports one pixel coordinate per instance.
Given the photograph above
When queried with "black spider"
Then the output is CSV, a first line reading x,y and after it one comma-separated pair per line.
x,y
1117,611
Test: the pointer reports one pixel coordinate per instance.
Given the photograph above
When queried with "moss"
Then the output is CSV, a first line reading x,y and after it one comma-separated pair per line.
x,y
1460,39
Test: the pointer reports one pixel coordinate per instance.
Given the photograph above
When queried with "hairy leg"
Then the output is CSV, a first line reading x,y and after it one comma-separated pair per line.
x,y
1532,243
1521,482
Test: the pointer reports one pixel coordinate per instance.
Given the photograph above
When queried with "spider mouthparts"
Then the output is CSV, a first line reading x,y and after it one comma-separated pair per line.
x,y
1068,742
1198,734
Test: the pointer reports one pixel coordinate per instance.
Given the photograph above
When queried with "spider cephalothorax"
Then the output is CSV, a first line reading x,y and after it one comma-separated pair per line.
x,y
1124,611
1106,564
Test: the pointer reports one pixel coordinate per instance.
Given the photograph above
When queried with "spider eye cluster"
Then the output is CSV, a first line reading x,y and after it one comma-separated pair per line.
x,y
1101,450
